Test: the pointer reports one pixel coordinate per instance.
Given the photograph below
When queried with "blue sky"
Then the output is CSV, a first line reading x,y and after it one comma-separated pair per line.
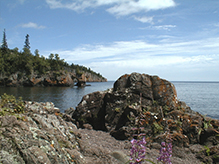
x,y
174,39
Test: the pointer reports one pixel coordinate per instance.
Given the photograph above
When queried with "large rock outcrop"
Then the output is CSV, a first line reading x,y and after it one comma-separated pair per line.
x,y
137,97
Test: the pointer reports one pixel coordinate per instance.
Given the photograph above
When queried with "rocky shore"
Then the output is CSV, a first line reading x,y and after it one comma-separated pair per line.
x,y
100,128
54,78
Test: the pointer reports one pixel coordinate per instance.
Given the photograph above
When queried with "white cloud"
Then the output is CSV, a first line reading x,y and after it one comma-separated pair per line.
x,y
144,19
54,4
168,67
76,6
161,27
166,56
131,6
139,49
32,25
147,61
165,27
116,7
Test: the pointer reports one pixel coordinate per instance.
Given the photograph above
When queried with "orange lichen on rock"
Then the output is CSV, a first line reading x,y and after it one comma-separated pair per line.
x,y
164,92
35,80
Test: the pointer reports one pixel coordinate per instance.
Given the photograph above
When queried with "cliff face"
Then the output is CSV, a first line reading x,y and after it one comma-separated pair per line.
x,y
50,79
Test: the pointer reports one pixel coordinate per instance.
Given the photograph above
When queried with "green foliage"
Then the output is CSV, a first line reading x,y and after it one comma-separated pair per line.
x,y
166,109
84,69
157,128
205,126
1,63
57,73
27,42
12,61
10,105
4,41
155,102
63,144
36,52
117,110
207,150
78,72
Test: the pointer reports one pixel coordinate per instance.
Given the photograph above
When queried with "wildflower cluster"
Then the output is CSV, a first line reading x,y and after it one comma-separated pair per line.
x,y
165,153
138,150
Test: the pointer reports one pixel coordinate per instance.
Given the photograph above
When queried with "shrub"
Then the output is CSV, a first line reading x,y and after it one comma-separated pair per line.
x,y
10,105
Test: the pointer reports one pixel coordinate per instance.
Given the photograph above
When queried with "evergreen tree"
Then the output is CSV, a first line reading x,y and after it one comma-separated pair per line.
x,y
4,41
27,43
1,65
36,52
13,61
51,56
26,49
4,46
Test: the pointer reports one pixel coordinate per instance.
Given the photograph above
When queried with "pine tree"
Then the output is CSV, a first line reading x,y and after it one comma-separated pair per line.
x,y
4,46
4,41
27,43
36,52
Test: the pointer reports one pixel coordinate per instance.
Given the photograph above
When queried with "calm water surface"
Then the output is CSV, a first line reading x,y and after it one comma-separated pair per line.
x,y
62,97
202,97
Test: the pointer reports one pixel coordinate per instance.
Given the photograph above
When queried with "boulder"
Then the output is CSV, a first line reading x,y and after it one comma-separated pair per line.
x,y
147,101
111,110
151,88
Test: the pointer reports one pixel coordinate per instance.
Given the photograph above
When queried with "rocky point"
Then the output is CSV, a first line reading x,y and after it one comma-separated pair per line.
x,y
117,110
100,128
52,78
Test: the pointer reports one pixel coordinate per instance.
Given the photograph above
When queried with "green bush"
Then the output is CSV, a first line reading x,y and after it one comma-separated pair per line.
x,y
10,105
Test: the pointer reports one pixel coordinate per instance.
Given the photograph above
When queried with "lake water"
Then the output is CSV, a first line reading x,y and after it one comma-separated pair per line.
x,y
202,97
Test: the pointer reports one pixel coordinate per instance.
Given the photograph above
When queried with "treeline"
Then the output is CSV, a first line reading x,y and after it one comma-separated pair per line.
x,y
13,60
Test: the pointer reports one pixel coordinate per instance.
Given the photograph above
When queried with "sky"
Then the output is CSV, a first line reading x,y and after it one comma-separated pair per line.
x,y
177,40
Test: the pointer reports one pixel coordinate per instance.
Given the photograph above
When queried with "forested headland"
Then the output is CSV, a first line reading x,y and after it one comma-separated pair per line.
x,y
24,63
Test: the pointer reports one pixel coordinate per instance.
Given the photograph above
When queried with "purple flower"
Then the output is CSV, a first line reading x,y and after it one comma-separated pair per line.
x,y
138,151
165,153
